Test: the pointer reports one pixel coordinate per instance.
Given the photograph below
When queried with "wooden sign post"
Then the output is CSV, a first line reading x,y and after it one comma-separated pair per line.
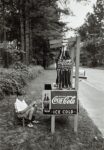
x,y
52,124
77,80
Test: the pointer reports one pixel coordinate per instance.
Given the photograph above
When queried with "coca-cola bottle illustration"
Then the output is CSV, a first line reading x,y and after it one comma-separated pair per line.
x,y
46,102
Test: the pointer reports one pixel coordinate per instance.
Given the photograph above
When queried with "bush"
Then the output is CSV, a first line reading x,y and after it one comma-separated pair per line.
x,y
33,72
19,66
6,86
12,80
1,94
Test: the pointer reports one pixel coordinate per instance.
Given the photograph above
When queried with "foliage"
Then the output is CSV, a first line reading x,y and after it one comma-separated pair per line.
x,y
19,66
1,94
14,79
43,18
29,21
93,25
10,56
15,137
92,32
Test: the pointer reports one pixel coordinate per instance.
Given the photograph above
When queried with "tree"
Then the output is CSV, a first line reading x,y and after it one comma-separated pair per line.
x,y
92,31
32,23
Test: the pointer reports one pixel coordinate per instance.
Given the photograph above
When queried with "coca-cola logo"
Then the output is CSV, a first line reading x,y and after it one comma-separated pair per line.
x,y
64,100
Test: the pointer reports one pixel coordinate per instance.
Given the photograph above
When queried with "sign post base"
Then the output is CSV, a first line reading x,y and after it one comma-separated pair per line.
x,y
76,123
53,124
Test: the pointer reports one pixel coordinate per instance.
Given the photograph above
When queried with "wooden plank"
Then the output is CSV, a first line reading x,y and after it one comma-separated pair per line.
x,y
72,39
56,45
55,41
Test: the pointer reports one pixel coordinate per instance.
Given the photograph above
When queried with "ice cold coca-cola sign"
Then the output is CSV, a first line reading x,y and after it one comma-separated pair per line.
x,y
62,102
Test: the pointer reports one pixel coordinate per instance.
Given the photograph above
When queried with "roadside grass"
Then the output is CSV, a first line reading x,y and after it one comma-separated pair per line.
x,y
15,137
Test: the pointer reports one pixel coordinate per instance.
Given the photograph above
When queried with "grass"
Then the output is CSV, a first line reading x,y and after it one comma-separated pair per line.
x,y
15,137
40,137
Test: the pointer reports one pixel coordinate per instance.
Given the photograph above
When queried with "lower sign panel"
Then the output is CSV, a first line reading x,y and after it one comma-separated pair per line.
x,y
60,111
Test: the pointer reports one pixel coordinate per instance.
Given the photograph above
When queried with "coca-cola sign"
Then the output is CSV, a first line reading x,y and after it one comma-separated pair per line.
x,y
64,100
59,102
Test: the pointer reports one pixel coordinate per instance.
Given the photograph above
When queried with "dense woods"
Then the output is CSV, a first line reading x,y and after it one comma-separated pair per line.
x,y
92,33
31,24
26,27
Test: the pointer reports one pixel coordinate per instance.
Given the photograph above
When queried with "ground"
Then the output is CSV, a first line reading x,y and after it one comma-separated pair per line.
x,y
15,137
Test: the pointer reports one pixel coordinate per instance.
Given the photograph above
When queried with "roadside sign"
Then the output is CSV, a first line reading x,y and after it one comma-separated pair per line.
x,y
54,43
56,102
61,101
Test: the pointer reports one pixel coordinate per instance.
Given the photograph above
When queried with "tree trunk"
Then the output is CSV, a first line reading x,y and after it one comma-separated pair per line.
x,y
22,38
31,50
27,40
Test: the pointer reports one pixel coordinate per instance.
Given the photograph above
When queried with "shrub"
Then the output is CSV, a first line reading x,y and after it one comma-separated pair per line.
x,y
12,80
6,86
19,66
33,72
1,94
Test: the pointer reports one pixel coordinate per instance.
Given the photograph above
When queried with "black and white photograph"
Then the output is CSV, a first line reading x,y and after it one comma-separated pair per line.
x,y
51,75
46,101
